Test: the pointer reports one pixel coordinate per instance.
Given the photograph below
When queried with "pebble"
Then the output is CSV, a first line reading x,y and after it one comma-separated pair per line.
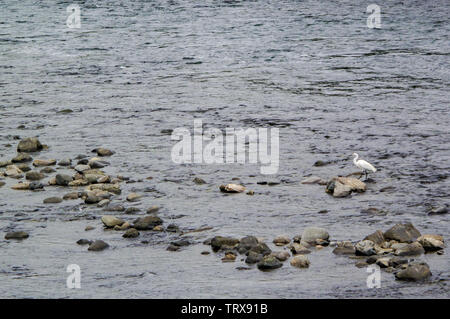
x,y
34,176
147,222
29,144
311,234
41,162
71,196
17,235
414,272
269,263
111,221
53,200
133,197
281,240
232,188
22,158
131,233
98,245
84,242
103,151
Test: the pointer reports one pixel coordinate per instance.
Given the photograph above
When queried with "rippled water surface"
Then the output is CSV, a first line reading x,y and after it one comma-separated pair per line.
x,y
137,69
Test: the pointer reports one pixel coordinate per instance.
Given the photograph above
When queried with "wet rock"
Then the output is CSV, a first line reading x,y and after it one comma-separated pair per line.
x,y
133,197
29,144
199,181
98,245
172,228
147,222
114,208
23,167
281,240
320,163
365,248
383,262
124,226
344,248
65,162
84,242
43,162
13,171
247,243
103,203
17,235
132,210
82,168
341,190
281,255
414,272
103,151
131,233
158,228
377,237
311,234
53,200
299,249
438,210
262,249
21,186
410,250
397,261
111,221
92,199
269,263
5,163
220,242
404,233
431,242
229,257
34,176
22,158
88,228
35,186
361,264
300,261
152,210
47,170
2,183
232,188
173,248
77,182
205,252
355,184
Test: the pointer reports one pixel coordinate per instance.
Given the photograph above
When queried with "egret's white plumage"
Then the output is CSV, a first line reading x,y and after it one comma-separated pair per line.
x,y
362,164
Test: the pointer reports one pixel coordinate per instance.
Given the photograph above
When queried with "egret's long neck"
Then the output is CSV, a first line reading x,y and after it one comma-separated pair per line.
x,y
355,158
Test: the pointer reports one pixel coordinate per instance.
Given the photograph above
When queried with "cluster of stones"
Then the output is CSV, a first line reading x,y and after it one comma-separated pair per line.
x,y
391,251
256,251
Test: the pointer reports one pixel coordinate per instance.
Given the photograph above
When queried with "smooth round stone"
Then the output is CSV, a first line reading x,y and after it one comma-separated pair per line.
x,y
98,245
53,200
300,261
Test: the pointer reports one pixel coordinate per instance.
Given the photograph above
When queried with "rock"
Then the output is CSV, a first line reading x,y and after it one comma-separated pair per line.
x,y
199,181
397,261
98,245
438,210
383,262
410,250
47,170
281,240
253,258
103,151
65,162
377,237
431,242
414,272
344,248
112,188
23,167
16,235
404,233
13,171
205,252
22,158
131,233
173,248
133,197
34,176
341,190
311,234
299,249
2,183
158,228
262,249
147,222
313,180
29,144
77,182
269,263
35,186
92,199
82,168
21,186
124,226
84,242
247,243
111,221
172,228
232,188
53,200
281,255
114,208
72,196
132,210
88,228
355,184
300,261
229,257
365,248
219,242
43,162
5,163
152,210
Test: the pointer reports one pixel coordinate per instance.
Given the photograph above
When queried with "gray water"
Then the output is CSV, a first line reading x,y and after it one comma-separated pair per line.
x,y
313,69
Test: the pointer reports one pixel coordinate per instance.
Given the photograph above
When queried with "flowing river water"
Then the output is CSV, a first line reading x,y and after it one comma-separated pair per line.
x,y
135,70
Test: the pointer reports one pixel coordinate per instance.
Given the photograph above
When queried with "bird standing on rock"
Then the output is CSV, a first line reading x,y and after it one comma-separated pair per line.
x,y
362,164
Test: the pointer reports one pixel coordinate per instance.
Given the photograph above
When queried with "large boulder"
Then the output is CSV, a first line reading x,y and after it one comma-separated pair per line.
x,y
404,233
377,237
431,242
410,250
29,144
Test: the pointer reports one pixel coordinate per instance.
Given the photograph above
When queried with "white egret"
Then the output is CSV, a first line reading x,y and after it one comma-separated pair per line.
x,y
362,164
